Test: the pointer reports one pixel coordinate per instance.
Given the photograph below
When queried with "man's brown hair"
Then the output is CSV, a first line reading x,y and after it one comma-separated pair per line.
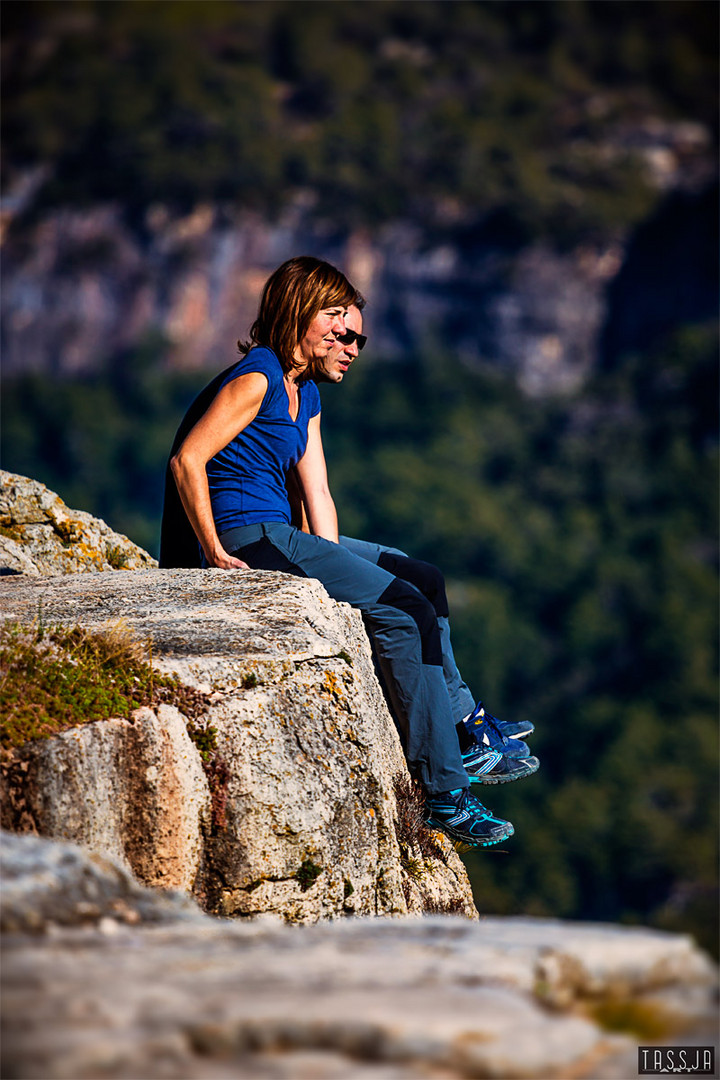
x,y
292,297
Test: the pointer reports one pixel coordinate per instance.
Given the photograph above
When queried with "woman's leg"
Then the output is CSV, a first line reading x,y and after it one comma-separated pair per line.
x,y
404,630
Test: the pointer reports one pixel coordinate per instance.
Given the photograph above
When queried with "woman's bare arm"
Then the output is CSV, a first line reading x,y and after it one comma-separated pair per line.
x,y
312,477
235,406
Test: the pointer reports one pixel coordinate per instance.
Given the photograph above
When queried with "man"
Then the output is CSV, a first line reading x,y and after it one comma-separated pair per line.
x,y
507,757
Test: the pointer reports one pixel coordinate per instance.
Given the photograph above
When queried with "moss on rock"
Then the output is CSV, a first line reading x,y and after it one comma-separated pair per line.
x,y
52,679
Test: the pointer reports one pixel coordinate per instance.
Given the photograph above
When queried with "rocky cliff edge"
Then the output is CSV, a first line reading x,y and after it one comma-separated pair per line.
x,y
289,794
288,798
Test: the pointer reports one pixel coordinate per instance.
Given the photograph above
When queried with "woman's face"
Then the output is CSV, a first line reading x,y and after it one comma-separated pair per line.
x,y
320,335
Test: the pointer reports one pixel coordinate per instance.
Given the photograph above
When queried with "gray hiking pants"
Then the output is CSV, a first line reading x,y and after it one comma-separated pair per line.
x,y
402,624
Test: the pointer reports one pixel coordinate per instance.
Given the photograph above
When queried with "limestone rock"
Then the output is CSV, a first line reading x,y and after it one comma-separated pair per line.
x,y
198,999
307,769
133,790
40,535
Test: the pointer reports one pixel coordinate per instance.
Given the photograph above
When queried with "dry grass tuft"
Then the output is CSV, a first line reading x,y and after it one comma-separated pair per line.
x,y
411,830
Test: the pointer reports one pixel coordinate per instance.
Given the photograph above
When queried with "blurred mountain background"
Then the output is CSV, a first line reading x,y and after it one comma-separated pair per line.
x,y
526,192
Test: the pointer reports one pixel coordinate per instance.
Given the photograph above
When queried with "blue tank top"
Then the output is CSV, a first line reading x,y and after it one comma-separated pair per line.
x,y
247,477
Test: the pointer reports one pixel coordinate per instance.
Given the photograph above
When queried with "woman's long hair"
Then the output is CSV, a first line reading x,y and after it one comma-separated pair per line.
x,y
292,297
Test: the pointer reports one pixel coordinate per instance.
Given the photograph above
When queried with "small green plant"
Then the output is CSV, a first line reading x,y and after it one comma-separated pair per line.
x,y
55,678
117,558
205,739
249,681
348,888
307,874
414,868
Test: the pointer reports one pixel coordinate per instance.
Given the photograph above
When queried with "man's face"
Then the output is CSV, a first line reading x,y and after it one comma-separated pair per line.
x,y
333,367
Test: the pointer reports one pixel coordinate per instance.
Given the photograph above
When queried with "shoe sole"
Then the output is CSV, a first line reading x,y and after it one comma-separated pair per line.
x,y
532,765
456,834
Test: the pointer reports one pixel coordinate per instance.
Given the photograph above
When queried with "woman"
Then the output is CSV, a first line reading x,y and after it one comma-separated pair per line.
x,y
263,419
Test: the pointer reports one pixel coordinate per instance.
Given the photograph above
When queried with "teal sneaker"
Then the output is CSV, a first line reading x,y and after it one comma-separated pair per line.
x,y
463,817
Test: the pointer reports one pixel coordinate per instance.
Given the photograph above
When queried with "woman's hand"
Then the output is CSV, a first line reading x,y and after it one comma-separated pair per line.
x,y
223,561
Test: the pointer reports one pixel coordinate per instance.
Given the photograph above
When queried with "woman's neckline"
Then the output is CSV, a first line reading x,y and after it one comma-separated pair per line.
x,y
296,383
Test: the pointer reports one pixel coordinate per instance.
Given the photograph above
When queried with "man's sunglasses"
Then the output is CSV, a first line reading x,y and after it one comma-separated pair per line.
x,y
352,335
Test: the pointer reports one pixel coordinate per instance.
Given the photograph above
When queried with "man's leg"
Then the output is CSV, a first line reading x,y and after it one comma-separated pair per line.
x,y
431,583
429,580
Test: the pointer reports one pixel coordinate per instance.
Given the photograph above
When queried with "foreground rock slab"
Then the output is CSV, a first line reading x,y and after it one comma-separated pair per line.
x,y
105,978
48,885
438,997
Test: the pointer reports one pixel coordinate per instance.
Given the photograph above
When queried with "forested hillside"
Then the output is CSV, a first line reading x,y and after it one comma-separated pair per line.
x,y
538,112
577,529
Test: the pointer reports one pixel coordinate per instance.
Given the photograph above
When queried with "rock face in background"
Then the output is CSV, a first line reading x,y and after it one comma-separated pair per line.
x,y
444,998
198,285
79,281
40,535
305,808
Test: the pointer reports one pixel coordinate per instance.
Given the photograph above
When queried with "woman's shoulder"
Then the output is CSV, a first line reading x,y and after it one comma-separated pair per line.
x,y
258,359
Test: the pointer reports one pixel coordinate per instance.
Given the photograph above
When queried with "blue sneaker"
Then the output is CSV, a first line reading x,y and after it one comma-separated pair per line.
x,y
463,817
487,766
480,759
501,734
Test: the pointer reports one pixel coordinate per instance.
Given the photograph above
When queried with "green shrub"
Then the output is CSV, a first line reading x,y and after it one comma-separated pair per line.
x,y
55,679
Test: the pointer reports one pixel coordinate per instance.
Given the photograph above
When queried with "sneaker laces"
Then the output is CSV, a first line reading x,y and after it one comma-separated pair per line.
x,y
491,721
475,804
